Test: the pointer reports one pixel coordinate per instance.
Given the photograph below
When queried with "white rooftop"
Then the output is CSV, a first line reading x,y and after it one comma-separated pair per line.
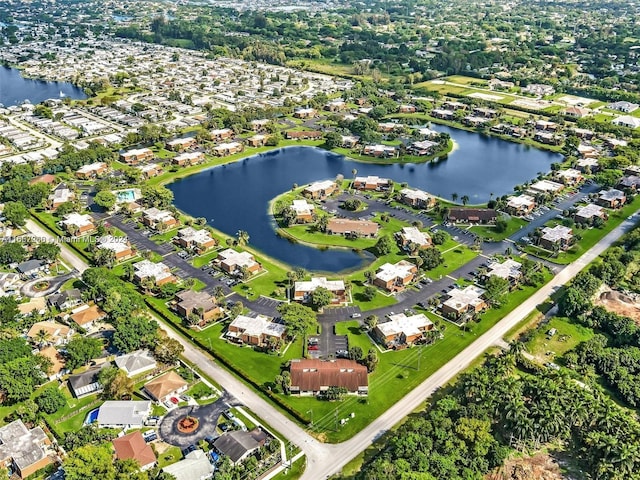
x,y
507,269
301,207
257,326
147,268
388,271
401,323
412,234
469,296
315,282
77,219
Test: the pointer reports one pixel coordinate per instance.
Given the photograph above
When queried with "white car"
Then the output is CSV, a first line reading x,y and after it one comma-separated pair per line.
x,y
355,315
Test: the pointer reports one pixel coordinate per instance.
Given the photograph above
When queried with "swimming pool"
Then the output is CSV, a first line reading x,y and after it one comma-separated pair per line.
x,y
129,195
92,416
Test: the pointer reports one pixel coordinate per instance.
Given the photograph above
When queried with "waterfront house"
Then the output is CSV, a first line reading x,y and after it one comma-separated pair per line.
x,y
225,149
349,141
546,187
197,240
257,140
372,182
417,198
303,135
232,261
158,219
188,158
320,190
379,150
520,205
352,228
303,211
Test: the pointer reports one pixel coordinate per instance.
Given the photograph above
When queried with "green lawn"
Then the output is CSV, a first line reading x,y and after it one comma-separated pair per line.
x,y
294,472
569,335
169,456
453,259
204,259
489,232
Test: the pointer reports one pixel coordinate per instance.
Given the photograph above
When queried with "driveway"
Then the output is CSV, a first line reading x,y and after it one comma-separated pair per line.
x,y
207,416
28,289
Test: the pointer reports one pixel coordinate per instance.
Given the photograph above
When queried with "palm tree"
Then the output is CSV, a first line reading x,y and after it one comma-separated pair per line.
x,y
454,197
128,270
243,237
42,337
465,199
218,292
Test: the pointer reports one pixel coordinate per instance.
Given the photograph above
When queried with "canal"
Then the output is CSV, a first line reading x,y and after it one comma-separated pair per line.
x,y
235,196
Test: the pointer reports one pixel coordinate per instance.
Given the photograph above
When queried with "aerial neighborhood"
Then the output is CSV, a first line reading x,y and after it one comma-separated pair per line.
x,y
235,236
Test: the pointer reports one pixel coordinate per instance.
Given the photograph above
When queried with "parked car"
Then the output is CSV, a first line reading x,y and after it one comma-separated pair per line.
x,y
342,354
174,400
356,315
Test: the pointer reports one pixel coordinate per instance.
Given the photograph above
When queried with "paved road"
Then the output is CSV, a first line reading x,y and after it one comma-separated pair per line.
x,y
69,257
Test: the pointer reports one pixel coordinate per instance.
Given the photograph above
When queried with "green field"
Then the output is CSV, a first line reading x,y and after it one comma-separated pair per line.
x,y
569,335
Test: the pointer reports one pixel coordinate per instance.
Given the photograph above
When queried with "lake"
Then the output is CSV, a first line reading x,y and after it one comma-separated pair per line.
x,y
15,89
235,196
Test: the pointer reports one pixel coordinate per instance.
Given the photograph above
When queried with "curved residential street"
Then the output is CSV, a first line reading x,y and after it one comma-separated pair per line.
x,y
327,459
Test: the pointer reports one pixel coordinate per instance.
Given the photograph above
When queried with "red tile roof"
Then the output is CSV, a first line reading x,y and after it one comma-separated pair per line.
x,y
134,446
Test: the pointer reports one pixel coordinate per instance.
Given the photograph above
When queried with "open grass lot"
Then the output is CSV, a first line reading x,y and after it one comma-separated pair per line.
x,y
461,79
454,258
169,456
294,472
489,232
569,335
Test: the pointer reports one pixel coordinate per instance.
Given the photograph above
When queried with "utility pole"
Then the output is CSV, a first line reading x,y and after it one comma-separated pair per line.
x,y
335,416
311,412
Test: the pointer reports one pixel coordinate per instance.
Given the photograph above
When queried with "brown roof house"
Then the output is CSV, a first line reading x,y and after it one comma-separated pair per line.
x,y
395,277
85,316
198,240
472,215
352,228
254,330
133,446
57,368
303,291
315,377
402,330
203,305
165,386
22,450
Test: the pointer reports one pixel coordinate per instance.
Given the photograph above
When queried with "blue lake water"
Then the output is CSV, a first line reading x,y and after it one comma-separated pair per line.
x,y
15,89
235,197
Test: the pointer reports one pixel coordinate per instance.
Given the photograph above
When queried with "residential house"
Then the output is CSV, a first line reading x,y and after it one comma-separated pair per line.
x,y
520,205
85,383
632,170
58,363
303,135
77,224
395,277
303,211
612,198
257,140
188,158
443,113
390,127
259,125
197,240
497,84
547,138
120,246
159,272
239,445
462,302
402,330
577,112
588,151
558,236
56,333
93,170
225,149
588,165
58,197
539,89
158,219
31,268
422,148
372,182
379,150
583,133
24,451
472,215
407,109
475,121
123,414
623,106
149,170
569,176
85,316
232,261
305,113
320,190
66,299
221,134
302,291
546,125
315,376
455,106
412,236
417,198
134,447
349,141
167,385
508,270
352,228
589,212
630,182
626,121
255,331
201,304
136,363
335,105
135,156
194,466
181,144
546,187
